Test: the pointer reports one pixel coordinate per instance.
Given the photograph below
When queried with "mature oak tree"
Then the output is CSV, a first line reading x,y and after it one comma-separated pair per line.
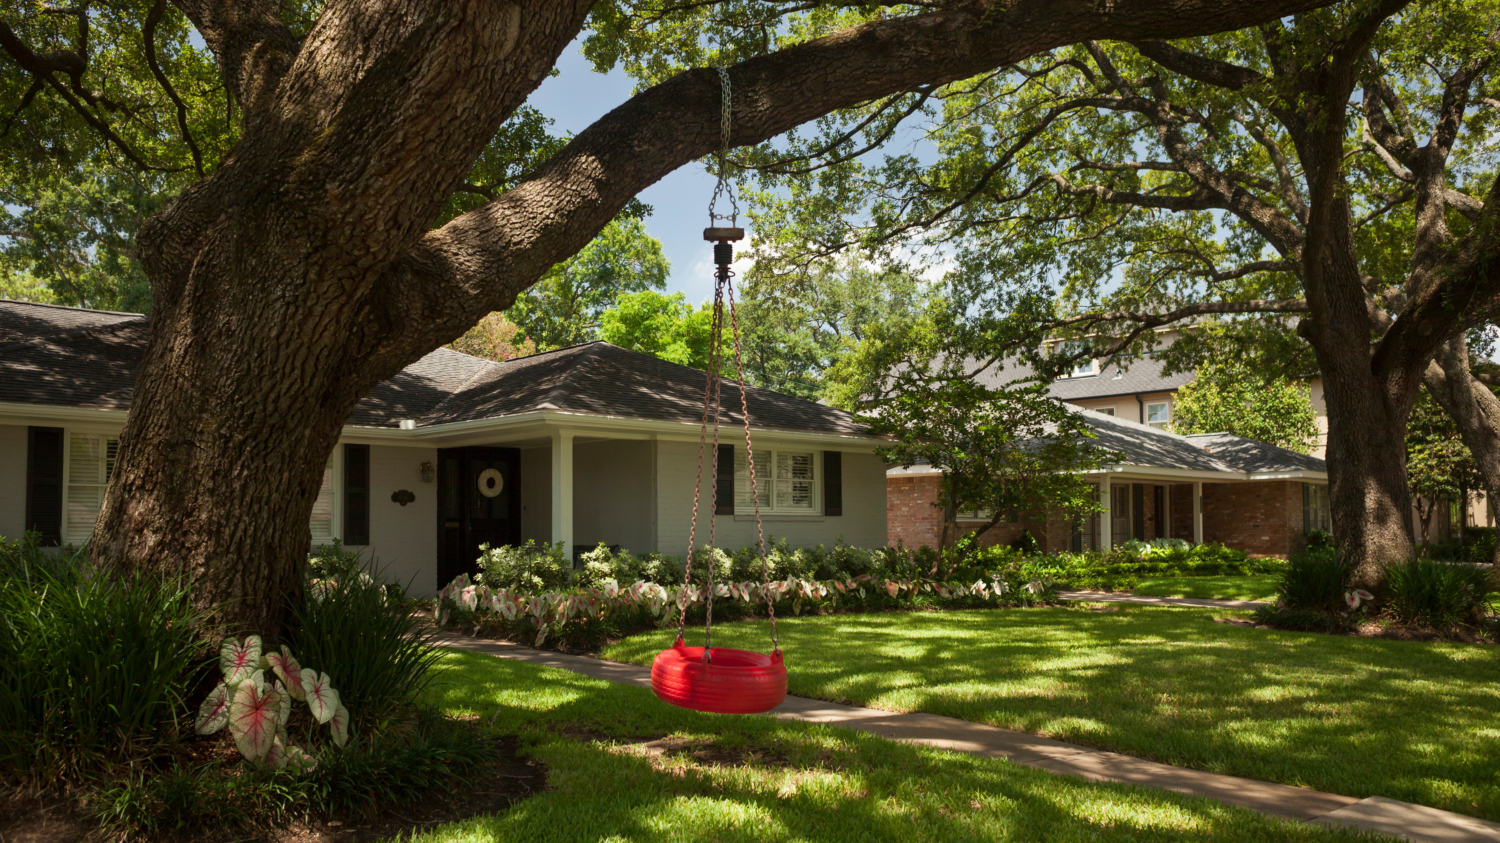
x,y
1332,169
305,268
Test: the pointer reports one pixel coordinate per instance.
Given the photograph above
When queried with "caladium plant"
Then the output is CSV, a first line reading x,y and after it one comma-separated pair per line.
x,y
254,719
259,715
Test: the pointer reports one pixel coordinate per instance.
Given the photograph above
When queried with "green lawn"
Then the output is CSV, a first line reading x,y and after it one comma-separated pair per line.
x,y
1413,721
814,782
1212,588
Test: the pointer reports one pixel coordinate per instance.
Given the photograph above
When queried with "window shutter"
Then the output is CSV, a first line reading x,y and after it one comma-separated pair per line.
x,y
44,483
833,483
357,494
724,494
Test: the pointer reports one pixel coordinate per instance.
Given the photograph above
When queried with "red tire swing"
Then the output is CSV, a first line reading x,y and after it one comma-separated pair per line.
x,y
709,678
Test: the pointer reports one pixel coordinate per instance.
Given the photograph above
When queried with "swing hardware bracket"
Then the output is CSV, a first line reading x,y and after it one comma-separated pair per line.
x,y
724,235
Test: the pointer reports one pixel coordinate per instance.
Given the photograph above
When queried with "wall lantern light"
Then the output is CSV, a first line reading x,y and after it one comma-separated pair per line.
x,y
429,473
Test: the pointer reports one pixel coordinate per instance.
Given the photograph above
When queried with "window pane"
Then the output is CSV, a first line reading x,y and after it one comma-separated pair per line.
x,y
85,459
794,481
1158,413
743,503
91,459
83,511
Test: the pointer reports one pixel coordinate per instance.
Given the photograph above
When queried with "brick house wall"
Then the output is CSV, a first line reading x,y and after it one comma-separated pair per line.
x,y
1262,518
910,517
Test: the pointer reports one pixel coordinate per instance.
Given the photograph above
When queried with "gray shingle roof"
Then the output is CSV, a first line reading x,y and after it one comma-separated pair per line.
x,y
81,358
1142,375
1146,446
602,379
23,320
1251,455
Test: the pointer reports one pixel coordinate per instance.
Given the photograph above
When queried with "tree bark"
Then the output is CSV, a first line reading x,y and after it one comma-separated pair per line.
x,y
1474,407
303,272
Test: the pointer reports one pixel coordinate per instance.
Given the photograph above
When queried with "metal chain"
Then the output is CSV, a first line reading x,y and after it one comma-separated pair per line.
x,y
711,399
723,187
760,532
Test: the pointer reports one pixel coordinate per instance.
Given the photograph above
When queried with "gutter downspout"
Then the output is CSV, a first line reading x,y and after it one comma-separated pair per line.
x,y
1142,405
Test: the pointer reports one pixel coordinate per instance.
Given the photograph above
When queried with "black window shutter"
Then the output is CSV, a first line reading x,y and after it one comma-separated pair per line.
x,y
357,494
724,503
833,483
44,483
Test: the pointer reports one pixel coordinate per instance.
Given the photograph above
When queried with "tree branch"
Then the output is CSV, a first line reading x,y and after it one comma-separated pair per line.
x,y
480,261
253,47
153,18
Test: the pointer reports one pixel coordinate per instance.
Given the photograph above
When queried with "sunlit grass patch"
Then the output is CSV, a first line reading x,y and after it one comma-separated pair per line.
x,y
1358,716
811,782
1260,587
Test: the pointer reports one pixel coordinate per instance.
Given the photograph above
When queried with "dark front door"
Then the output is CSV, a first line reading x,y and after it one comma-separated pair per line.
x,y
479,502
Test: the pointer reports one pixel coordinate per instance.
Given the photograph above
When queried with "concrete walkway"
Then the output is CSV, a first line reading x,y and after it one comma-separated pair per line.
x,y
1124,597
1400,819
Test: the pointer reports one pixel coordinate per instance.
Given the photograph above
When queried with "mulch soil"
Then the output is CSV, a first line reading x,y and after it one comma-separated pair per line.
x,y
505,781
1391,631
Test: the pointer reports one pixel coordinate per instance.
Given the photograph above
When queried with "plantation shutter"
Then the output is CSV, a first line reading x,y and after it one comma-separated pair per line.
x,y
44,483
91,460
357,494
743,502
321,522
833,483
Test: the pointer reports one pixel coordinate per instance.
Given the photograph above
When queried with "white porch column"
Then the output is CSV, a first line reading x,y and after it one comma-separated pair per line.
x,y
1197,512
1107,517
562,490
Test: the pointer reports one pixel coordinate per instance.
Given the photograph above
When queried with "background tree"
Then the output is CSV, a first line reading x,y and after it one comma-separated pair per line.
x,y
566,306
795,327
665,326
1329,165
494,338
299,266
1441,469
1002,449
1228,396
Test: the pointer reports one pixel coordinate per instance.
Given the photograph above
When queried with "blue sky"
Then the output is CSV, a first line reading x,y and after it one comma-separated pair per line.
x,y
577,97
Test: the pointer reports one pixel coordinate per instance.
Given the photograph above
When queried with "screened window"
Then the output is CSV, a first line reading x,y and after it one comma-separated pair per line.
x,y
1315,509
786,481
91,459
1105,411
1087,537
1009,516
322,512
1159,415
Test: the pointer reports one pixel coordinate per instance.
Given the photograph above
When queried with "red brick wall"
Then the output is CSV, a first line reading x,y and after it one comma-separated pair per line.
x,y
910,517
1182,511
1260,518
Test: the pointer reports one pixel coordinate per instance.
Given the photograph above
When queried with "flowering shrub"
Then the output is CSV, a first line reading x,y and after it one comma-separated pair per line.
x,y
553,614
